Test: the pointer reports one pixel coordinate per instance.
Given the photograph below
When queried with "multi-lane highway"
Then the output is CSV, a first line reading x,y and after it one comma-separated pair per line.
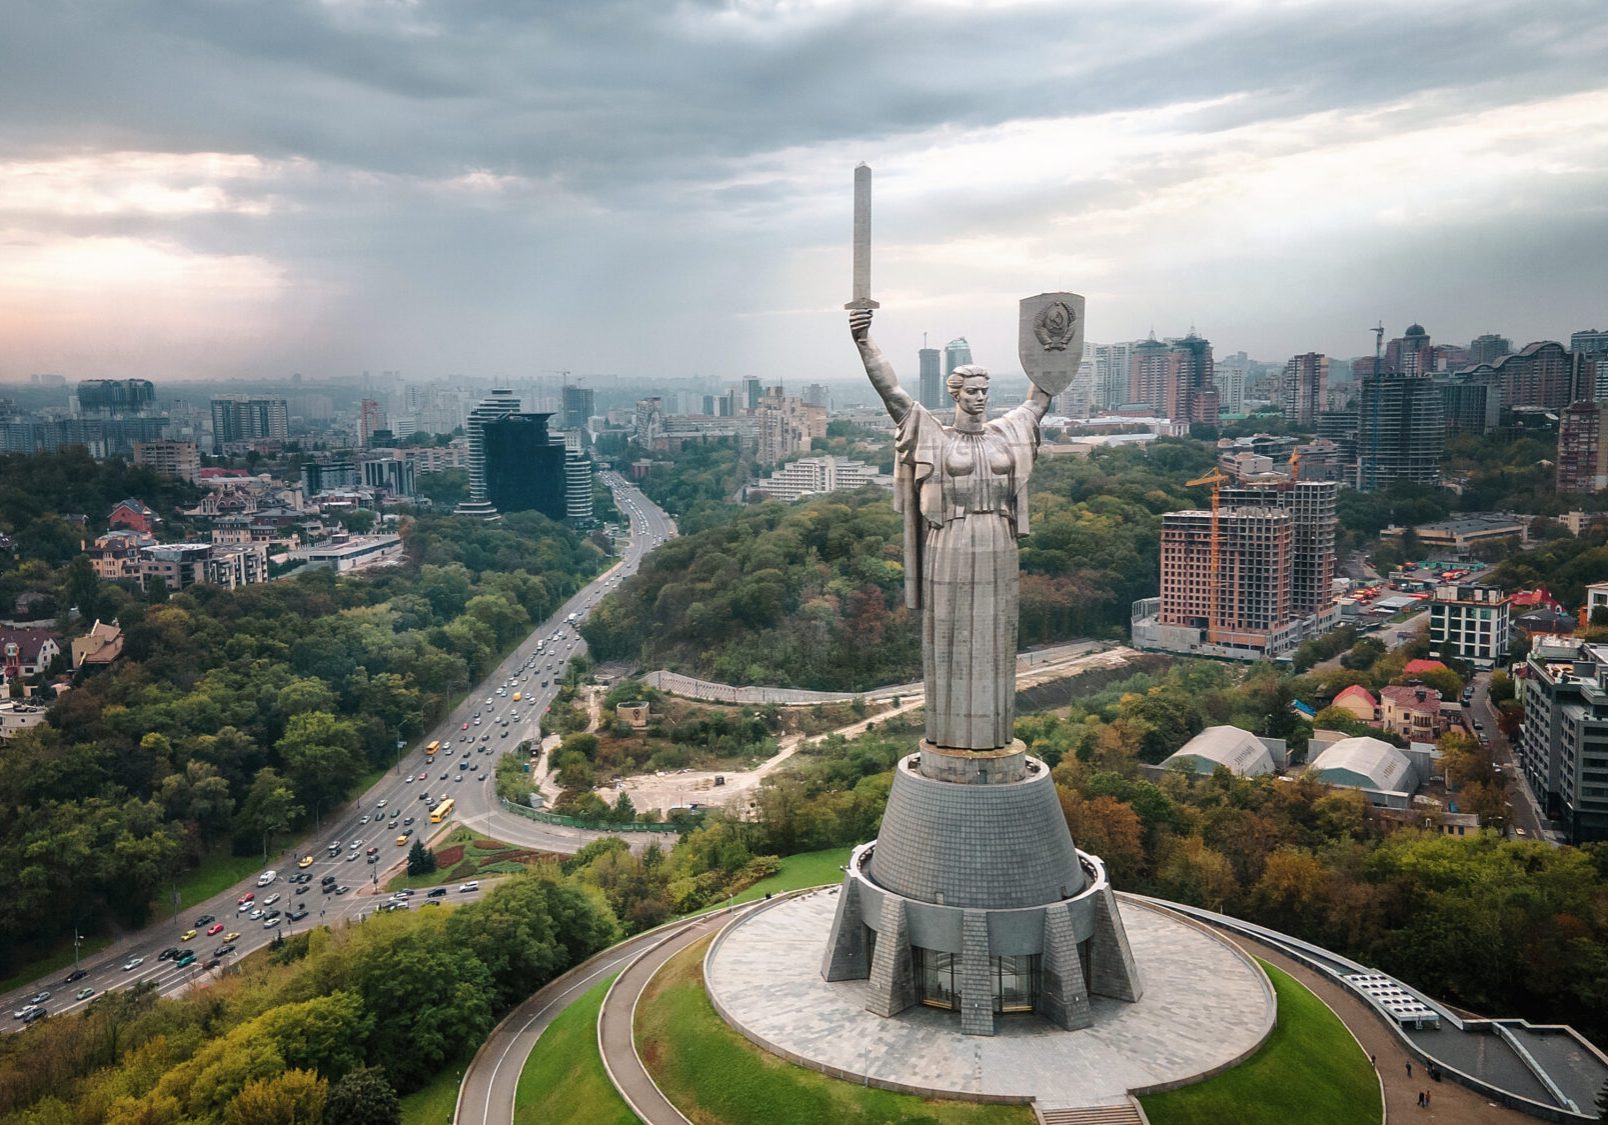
x,y
358,850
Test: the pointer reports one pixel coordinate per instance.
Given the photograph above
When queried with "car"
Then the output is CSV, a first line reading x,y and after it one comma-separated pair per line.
x,y
269,923
40,997
471,885
458,778
402,840
187,935
186,961
271,914
267,877
255,915
351,857
464,727
355,844
232,935
168,954
36,1014
327,880
224,950
373,859
133,963
327,888
424,796
242,908
301,890
204,920
407,820
342,889
249,896
444,775
408,780
1520,831
485,738
373,851
76,974
437,892
270,900
23,1012
363,820
84,993
382,801
425,776
305,861
215,929
405,892
212,964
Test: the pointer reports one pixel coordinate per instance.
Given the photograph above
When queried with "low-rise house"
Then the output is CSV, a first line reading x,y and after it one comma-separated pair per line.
x,y
1412,711
99,647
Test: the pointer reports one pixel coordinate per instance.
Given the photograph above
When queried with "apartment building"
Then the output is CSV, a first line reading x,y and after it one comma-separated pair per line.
x,y
1563,745
1469,622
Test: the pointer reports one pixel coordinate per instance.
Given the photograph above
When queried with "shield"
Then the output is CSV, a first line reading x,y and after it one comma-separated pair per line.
x,y
1050,340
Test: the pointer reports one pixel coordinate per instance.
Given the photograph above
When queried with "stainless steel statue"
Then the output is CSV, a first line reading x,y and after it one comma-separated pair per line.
x,y
963,491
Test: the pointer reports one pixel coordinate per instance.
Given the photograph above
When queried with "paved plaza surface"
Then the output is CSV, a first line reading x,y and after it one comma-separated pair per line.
x,y
1204,1006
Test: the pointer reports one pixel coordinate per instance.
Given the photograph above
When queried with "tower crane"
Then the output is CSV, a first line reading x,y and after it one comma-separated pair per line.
x,y
1216,478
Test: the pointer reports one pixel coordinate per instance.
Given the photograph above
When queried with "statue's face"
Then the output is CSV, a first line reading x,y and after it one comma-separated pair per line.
x,y
973,395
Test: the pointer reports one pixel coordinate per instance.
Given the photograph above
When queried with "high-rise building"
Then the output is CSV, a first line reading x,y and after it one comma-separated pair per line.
x,y
248,418
499,404
1489,348
1147,374
1312,505
1400,431
577,482
524,466
1229,374
1541,374
957,353
1191,392
1228,574
370,418
1408,354
1589,341
1563,745
179,460
751,392
328,476
1111,366
1469,622
1583,448
579,404
816,394
1303,387
1471,402
395,475
113,398
932,379
786,426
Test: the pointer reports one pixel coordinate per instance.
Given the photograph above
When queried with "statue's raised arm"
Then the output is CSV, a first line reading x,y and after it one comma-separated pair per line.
x,y
877,367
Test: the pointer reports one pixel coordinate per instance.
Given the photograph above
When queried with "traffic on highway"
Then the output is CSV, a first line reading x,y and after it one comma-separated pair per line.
x,y
336,874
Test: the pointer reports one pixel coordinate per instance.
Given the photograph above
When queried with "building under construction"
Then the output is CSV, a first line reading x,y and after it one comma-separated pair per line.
x,y
1251,577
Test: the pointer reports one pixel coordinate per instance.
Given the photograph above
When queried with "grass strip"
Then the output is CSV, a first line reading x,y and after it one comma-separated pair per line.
x,y
716,1077
563,1082
1310,1070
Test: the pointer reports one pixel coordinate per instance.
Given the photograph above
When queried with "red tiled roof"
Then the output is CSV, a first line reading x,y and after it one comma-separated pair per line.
x,y
1424,666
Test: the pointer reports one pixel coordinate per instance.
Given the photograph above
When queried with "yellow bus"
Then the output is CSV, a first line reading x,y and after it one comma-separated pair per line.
x,y
430,750
441,811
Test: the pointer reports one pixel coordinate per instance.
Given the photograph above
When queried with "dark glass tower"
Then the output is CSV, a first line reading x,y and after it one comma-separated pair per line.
x,y
524,469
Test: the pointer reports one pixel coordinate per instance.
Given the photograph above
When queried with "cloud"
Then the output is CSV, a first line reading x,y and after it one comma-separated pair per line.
x,y
651,187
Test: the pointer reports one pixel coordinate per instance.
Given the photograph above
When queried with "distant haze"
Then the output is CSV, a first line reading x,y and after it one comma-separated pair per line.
x,y
208,190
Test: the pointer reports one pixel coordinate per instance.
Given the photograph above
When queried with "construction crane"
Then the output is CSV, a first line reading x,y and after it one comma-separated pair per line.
x,y
1216,478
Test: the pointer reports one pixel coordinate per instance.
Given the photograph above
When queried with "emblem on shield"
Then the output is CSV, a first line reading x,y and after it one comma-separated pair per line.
x,y
1050,339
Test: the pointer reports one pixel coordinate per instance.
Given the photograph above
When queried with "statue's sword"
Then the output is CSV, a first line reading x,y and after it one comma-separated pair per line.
x,y
862,240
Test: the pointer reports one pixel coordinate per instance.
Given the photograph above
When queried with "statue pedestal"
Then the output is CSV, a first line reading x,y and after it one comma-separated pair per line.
x,y
973,898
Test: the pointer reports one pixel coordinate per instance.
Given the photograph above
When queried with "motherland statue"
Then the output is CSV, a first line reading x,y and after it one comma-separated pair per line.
x,y
973,897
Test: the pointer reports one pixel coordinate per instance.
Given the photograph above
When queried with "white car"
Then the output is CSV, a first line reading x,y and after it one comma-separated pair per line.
x,y
270,900
133,963
471,885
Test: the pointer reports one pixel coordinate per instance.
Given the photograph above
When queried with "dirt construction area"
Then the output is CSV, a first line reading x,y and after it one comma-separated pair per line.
x,y
685,787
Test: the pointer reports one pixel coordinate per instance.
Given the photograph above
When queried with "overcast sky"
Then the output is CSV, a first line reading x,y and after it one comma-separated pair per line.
x,y
509,187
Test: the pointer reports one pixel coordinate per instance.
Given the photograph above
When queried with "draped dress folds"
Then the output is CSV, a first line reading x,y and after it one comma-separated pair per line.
x,y
963,493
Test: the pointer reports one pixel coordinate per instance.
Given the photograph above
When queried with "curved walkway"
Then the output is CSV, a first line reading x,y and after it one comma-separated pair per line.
x,y
616,1040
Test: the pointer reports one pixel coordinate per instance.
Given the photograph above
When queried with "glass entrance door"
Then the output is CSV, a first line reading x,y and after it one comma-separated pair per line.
x,y
935,977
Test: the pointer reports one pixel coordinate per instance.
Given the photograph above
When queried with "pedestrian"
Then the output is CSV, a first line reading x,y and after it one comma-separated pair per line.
x,y
1374,1059
1409,1069
1426,1099
1420,1099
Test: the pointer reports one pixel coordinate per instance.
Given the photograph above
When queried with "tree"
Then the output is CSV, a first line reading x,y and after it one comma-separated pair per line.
x,y
270,806
295,1097
421,860
363,1097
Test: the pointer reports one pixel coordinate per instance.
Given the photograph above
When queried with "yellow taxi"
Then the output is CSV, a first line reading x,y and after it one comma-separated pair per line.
x,y
305,861
187,935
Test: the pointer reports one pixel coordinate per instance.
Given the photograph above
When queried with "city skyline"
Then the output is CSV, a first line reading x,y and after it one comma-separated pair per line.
x,y
198,193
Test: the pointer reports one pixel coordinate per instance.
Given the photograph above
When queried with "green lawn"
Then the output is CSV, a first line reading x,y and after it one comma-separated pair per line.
x,y
564,1082
433,1105
218,871
54,963
715,1075
806,869
481,857
1310,1070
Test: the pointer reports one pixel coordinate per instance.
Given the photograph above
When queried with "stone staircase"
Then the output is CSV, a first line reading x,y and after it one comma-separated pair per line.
x,y
1128,1114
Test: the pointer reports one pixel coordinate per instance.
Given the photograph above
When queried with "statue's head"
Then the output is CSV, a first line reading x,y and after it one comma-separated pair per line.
x,y
968,386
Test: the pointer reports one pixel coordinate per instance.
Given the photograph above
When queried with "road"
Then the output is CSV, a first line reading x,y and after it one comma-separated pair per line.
x,y
1391,636
1526,818
363,845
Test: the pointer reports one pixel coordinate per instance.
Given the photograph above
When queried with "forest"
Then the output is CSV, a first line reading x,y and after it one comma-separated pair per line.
x,y
237,716
811,595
